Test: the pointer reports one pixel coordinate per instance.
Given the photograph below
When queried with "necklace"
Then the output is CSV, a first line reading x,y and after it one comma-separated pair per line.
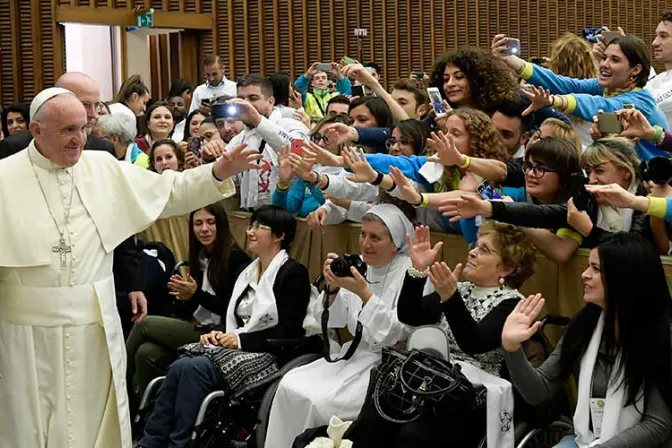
x,y
62,249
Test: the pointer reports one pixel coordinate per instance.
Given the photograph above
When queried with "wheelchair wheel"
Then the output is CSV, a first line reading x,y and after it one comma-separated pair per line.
x,y
224,424
547,436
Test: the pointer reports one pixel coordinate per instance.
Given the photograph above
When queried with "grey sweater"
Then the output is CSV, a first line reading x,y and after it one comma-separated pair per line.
x,y
541,384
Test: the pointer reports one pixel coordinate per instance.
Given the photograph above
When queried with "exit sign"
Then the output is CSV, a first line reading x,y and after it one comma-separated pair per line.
x,y
361,32
146,20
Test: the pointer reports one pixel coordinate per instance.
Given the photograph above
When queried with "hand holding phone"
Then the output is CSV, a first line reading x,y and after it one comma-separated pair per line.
x,y
437,101
487,191
583,200
358,91
194,145
297,147
513,47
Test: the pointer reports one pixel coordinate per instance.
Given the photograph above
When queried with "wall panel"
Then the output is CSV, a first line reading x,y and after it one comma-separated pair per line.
x,y
270,35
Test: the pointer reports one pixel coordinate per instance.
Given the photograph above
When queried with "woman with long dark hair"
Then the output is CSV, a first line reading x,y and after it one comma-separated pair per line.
x,y
617,347
15,118
214,262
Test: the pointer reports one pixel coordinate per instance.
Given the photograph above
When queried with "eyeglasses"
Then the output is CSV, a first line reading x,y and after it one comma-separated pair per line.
x,y
482,249
401,142
318,138
537,170
256,227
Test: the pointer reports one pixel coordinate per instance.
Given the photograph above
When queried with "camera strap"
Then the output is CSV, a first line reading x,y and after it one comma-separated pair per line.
x,y
326,353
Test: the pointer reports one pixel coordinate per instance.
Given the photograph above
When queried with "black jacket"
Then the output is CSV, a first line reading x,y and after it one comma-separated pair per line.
x,y
18,142
554,216
292,294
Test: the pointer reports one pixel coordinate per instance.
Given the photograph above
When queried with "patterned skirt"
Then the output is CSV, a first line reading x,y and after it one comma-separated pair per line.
x,y
242,371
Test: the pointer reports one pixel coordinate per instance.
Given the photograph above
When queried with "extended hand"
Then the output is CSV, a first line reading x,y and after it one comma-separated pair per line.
x,y
578,219
421,251
239,159
467,206
521,325
445,280
405,188
355,159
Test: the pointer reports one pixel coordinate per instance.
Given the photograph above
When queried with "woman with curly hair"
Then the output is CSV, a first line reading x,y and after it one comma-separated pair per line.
x,y
572,56
470,77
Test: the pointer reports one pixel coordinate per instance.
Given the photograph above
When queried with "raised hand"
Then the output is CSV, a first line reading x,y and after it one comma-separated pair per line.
x,y
421,251
446,152
467,206
285,172
239,159
405,188
540,98
521,325
295,99
356,160
578,219
635,125
321,155
339,133
301,166
613,194
359,73
445,280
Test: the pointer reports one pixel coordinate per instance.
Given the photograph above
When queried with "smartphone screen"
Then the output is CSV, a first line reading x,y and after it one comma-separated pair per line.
x,y
194,145
590,34
514,46
297,147
487,191
437,101
325,66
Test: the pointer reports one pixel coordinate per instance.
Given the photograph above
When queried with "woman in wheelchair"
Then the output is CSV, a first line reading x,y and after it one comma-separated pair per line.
x,y
269,301
308,396
471,312
215,260
617,347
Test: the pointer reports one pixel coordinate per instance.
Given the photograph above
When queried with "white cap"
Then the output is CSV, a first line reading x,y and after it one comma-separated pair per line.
x,y
45,96
430,338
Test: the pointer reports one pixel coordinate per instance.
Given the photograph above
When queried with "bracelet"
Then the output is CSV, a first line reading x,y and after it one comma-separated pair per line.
x,y
658,135
467,162
415,273
425,200
317,179
282,187
394,185
378,180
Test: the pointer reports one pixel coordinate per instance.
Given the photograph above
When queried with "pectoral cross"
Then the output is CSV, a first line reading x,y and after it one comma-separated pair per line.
x,y
63,250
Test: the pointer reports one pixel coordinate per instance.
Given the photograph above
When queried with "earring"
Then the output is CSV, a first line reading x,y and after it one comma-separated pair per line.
x,y
501,280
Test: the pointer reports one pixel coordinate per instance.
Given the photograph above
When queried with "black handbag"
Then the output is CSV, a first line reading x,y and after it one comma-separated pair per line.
x,y
410,384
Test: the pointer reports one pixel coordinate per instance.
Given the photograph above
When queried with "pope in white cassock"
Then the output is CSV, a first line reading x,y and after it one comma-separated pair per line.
x,y
62,212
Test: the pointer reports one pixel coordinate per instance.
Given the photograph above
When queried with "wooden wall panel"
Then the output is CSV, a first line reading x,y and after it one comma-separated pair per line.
x,y
264,36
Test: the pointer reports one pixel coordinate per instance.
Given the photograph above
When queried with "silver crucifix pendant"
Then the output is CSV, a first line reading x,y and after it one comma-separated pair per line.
x,y
62,250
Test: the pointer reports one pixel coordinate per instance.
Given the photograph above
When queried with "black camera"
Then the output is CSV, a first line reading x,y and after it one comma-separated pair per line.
x,y
658,170
583,200
340,267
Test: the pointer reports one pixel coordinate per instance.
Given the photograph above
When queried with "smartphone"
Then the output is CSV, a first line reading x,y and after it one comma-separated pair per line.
x,y
487,191
577,188
609,123
349,61
437,101
205,101
419,75
513,47
297,147
590,34
610,36
224,110
358,91
194,145
324,66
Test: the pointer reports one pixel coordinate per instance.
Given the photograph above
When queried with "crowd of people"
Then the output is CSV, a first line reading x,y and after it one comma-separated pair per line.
x,y
518,158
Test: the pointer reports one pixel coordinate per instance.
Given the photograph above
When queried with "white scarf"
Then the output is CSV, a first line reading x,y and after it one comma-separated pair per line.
x,y
614,219
617,417
499,414
264,310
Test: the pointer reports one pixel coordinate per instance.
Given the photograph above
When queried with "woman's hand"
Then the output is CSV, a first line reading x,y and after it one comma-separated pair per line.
x,y
302,166
320,155
467,206
614,195
595,132
300,115
445,280
578,219
355,159
182,289
446,152
405,187
540,98
359,73
316,219
355,284
599,47
500,50
211,338
190,160
339,133
295,100
285,172
229,340
658,191
635,125
520,325
421,251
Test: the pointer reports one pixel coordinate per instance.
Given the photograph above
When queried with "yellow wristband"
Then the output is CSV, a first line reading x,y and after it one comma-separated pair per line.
x,y
425,200
467,162
282,187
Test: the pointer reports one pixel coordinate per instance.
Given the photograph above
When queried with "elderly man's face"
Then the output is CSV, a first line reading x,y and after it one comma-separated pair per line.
x,y
60,133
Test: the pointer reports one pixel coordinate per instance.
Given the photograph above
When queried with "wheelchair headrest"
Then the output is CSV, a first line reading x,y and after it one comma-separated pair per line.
x,y
431,340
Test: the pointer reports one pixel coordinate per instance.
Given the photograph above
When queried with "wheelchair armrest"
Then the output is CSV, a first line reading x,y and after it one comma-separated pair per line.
x,y
311,344
554,319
